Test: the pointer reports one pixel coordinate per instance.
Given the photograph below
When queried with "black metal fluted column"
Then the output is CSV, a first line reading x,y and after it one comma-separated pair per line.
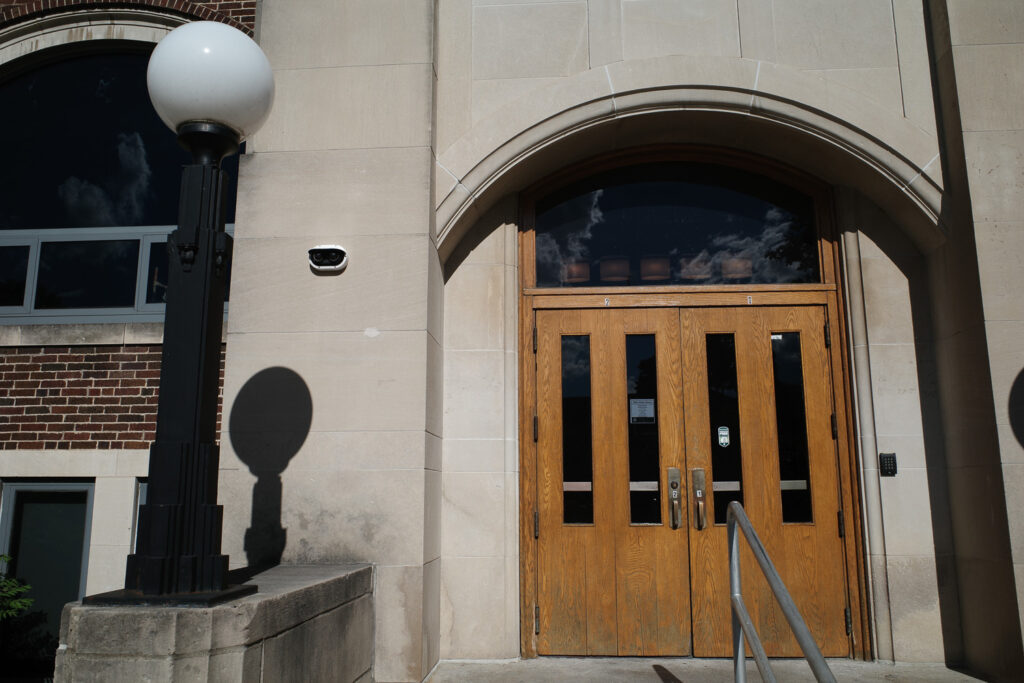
x,y
178,548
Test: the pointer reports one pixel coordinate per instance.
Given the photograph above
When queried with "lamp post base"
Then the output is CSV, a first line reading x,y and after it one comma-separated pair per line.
x,y
127,596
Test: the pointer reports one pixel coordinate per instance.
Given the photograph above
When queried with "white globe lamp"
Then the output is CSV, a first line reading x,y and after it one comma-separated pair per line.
x,y
207,76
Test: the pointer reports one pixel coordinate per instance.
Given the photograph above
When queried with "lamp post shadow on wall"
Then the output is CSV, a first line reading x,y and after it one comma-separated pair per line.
x,y
213,86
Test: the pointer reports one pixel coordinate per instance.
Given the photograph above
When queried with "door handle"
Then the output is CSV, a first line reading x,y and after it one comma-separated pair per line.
x,y
675,497
700,517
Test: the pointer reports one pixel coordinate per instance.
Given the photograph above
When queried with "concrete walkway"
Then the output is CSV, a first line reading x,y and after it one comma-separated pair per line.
x,y
632,669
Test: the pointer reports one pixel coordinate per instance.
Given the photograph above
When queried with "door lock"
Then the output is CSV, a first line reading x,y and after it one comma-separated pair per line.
x,y
700,517
675,497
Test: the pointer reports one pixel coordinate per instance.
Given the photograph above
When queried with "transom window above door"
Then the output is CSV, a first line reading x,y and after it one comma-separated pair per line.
x,y
675,223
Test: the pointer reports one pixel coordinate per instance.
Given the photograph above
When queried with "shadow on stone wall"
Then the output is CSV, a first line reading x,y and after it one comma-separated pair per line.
x,y
269,422
1016,407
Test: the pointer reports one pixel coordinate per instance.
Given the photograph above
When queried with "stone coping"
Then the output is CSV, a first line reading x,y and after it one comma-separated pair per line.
x,y
287,595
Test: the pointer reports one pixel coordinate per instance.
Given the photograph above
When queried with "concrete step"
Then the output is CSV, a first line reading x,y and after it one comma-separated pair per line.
x,y
677,670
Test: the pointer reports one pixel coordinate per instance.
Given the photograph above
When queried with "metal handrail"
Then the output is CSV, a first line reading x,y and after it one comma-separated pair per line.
x,y
741,622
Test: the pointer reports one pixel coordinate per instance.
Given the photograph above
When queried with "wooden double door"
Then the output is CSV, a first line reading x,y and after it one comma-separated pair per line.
x,y
650,421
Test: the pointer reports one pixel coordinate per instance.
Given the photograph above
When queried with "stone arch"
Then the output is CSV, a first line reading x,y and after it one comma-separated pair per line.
x,y
77,29
886,172
35,9
777,112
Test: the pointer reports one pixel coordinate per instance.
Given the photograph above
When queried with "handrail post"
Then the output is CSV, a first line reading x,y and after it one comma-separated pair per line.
x,y
739,663
737,517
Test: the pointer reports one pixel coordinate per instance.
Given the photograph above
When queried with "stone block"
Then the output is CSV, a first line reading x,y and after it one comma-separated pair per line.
x,y
333,194
454,58
981,22
990,79
757,30
312,623
354,33
64,334
334,646
604,26
398,644
653,28
529,41
473,608
811,34
915,69
999,246
491,94
474,307
914,606
349,108
383,287
907,521
379,525
994,163
473,514
895,386
371,380
881,84
474,394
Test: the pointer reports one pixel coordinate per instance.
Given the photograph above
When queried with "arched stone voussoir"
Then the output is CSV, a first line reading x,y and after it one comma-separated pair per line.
x,y
802,120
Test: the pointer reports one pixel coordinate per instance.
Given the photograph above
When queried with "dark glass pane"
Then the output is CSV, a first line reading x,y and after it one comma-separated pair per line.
x,y
790,417
98,274
13,271
156,278
724,411
577,453
109,160
46,547
642,390
674,223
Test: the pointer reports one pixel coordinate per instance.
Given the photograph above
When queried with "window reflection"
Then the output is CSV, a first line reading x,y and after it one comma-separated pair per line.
x,y
101,158
96,274
13,270
577,441
684,224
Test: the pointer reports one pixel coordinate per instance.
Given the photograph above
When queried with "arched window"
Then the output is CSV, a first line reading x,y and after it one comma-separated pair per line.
x,y
675,223
88,188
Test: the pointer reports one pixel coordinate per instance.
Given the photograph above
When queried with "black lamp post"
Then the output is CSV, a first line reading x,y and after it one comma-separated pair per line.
x,y
213,86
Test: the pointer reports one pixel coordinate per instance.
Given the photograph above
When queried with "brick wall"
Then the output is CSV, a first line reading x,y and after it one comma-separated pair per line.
x,y
80,396
238,13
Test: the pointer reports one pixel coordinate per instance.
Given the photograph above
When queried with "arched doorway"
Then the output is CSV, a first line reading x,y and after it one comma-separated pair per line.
x,y
680,307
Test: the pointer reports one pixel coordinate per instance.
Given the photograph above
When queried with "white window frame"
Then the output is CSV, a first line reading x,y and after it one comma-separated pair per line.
x,y
8,493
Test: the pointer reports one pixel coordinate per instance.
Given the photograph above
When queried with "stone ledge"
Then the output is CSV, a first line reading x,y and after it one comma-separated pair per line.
x,y
306,623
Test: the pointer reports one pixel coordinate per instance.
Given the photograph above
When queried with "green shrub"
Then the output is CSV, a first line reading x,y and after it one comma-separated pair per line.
x,y
12,600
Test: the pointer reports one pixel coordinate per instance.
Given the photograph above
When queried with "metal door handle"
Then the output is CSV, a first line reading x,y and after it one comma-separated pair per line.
x,y
700,517
675,497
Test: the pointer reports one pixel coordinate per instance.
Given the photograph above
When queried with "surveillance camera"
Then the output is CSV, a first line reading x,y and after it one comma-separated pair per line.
x,y
328,258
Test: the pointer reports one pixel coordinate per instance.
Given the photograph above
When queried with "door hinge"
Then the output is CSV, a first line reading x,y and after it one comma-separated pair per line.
x,y
848,619
536,619
535,340
536,524
835,427
842,524
535,428
828,338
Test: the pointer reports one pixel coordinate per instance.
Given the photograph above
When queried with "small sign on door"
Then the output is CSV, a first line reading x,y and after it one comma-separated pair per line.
x,y
641,411
723,437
